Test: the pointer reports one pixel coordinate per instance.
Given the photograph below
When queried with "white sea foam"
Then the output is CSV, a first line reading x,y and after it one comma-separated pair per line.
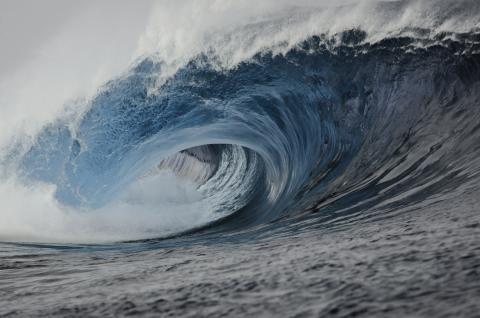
x,y
152,207
237,30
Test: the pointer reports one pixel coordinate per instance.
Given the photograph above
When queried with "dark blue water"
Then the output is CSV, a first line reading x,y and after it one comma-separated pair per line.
x,y
340,180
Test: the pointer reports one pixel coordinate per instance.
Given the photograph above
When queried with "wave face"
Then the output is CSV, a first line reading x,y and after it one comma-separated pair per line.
x,y
361,125
315,124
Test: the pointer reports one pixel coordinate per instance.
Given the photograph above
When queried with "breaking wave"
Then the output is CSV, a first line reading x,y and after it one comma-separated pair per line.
x,y
346,123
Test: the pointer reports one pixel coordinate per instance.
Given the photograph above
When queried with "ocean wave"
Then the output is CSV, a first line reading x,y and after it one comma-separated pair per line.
x,y
289,112
334,124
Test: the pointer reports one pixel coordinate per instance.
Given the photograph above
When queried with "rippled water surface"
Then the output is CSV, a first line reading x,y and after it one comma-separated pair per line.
x,y
413,263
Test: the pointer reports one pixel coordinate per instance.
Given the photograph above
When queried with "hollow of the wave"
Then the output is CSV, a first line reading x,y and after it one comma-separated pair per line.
x,y
191,189
182,192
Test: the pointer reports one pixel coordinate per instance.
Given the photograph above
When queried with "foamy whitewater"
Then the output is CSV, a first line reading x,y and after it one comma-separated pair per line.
x,y
240,158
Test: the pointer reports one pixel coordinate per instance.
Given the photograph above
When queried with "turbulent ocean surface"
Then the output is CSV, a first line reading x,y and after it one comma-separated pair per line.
x,y
311,160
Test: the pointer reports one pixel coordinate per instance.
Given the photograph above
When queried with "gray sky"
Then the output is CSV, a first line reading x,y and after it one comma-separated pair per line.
x,y
25,25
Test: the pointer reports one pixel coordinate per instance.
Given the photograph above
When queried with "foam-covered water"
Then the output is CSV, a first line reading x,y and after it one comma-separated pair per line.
x,y
339,142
